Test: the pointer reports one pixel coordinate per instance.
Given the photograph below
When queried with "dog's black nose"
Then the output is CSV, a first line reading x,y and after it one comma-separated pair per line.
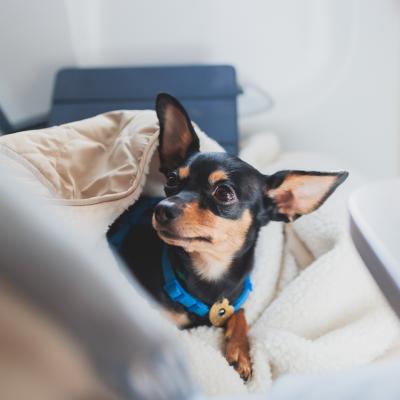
x,y
166,211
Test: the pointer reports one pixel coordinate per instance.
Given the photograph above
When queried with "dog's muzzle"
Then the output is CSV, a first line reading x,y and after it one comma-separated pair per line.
x,y
166,211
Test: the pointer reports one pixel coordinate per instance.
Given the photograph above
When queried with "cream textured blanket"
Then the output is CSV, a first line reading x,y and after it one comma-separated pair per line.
x,y
317,310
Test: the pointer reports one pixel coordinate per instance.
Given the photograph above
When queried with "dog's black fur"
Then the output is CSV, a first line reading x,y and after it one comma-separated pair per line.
x,y
198,215
249,186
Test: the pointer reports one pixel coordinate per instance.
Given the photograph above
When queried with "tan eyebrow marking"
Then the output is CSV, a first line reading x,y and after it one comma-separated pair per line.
x,y
183,172
217,176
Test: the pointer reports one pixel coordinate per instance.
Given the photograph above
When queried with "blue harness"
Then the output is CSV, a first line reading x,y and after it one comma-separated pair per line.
x,y
141,213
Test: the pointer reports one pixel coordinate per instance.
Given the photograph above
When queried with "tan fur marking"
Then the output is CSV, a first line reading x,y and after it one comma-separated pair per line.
x,y
213,259
210,258
183,172
179,319
237,348
301,194
217,176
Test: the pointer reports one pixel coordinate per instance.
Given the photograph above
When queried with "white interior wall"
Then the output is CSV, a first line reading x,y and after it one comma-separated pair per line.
x,y
331,67
35,41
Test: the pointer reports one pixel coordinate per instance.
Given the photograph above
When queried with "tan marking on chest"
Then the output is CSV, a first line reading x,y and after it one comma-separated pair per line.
x,y
212,260
217,176
179,319
183,172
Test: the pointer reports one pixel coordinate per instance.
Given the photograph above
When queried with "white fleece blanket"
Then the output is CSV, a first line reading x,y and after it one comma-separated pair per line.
x,y
319,311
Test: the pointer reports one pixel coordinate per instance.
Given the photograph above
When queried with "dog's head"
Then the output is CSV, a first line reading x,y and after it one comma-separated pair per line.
x,y
215,201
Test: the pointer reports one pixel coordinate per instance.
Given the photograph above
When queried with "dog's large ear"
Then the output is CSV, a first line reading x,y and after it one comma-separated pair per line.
x,y
178,139
290,194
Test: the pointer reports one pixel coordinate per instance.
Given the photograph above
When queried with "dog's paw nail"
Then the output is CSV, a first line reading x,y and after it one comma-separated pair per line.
x,y
233,364
245,374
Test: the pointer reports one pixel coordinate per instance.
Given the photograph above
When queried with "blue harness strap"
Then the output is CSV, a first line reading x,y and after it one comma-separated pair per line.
x,y
141,214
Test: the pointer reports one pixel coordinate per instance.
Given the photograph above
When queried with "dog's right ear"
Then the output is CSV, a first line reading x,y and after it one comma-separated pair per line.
x,y
178,139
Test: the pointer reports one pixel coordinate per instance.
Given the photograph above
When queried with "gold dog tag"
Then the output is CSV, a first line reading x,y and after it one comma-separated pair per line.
x,y
220,312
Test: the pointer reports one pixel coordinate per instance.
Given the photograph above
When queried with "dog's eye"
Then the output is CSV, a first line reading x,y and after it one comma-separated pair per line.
x,y
224,194
172,180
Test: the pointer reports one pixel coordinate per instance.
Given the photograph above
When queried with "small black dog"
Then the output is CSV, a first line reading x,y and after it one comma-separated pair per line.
x,y
196,254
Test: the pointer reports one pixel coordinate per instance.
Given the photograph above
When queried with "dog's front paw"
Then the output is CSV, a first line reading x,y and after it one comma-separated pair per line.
x,y
237,354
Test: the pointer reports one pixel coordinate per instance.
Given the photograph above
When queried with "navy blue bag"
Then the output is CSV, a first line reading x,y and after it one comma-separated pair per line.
x,y
208,92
